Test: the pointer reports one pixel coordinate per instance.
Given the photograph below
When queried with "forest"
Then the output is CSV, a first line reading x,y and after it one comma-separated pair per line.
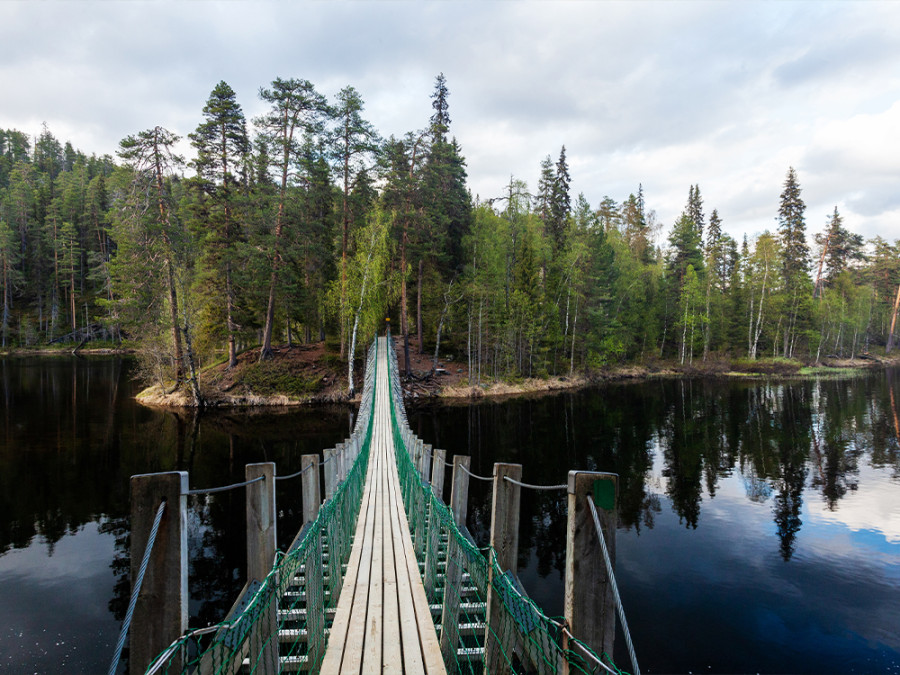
x,y
305,225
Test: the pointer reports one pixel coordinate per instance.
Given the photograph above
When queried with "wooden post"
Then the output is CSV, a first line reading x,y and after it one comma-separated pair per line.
x,y
589,606
161,613
312,495
260,520
505,542
330,466
417,453
341,457
435,531
426,461
437,473
453,574
459,491
261,533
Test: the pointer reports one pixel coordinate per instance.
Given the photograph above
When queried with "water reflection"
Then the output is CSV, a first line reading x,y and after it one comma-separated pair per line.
x,y
72,435
718,481
759,522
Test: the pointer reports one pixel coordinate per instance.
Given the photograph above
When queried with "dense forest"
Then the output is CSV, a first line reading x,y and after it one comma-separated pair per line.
x,y
304,225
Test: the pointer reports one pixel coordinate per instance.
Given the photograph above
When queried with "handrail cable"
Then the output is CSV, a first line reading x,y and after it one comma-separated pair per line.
x,y
300,472
224,488
475,475
136,590
535,487
614,586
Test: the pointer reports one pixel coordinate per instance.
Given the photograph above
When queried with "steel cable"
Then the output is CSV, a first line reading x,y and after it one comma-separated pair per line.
x,y
614,586
136,590
224,488
535,487
475,475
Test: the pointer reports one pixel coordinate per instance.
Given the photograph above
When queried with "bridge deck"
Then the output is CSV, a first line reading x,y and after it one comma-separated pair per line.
x,y
383,623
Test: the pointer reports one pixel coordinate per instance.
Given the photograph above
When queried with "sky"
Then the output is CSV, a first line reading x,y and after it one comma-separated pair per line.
x,y
724,95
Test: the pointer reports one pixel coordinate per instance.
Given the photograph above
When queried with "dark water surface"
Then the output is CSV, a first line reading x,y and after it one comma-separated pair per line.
x,y
759,522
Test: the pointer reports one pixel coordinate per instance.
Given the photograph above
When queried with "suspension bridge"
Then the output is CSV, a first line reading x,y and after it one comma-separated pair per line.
x,y
383,577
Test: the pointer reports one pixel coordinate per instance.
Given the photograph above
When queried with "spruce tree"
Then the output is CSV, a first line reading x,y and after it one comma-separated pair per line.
x,y
440,120
794,261
694,209
560,201
792,228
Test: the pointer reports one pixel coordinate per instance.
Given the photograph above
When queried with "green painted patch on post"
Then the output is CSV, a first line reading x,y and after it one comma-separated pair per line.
x,y
605,494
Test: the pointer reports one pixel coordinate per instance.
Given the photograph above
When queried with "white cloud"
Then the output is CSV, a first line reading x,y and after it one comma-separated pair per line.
x,y
661,93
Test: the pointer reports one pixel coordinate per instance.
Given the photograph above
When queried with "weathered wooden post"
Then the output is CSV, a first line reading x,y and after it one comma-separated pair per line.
x,y
505,542
341,457
312,495
435,531
589,605
261,535
437,472
426,461
459,497
261,525
315,576
330,466
459,491
161,612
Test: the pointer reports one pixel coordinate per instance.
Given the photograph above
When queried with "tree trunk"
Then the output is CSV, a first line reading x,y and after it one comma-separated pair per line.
x,y
437,346
265,351
229,311
890,342
419,310
404,321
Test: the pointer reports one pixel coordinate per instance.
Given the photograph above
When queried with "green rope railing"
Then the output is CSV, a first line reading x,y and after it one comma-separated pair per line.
x,y
281,624
456,576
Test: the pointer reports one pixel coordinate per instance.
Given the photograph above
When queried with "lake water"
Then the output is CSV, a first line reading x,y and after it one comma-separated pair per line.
x,y
759,522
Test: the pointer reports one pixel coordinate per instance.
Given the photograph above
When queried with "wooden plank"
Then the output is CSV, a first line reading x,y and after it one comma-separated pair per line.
x,y
353,646
393,648
412,654
373,622
341,625
429,649
383,623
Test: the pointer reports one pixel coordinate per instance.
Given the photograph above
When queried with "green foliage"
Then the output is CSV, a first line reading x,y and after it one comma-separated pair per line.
x,y
315,229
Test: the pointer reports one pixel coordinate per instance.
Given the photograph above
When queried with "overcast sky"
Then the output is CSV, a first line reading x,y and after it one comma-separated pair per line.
x,y
726,95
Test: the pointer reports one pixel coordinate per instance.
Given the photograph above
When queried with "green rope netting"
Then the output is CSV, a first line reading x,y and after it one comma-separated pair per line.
x,y
486,623
281,623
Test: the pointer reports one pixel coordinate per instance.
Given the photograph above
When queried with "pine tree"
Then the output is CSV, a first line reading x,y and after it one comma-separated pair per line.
x,y
151,157
353,141
222,149
296,109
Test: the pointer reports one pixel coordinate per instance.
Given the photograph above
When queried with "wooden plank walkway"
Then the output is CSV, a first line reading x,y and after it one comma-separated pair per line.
x,y
383,623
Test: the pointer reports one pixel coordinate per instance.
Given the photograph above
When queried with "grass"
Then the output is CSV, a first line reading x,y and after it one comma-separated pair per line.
x,y
278,377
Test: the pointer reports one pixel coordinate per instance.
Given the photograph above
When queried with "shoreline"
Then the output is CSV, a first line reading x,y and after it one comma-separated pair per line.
x,y
316,382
